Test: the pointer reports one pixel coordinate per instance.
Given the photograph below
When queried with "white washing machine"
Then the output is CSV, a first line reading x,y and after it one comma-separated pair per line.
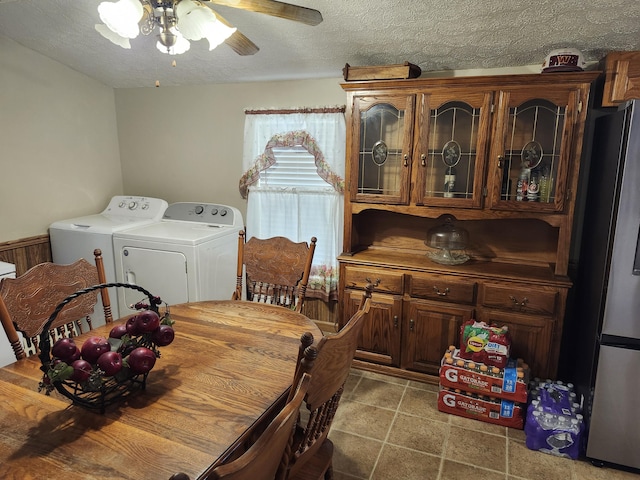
x,y
7,270
191,255
78,237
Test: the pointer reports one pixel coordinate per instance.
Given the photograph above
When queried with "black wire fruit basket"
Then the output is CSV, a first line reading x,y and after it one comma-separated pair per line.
x,y
104,371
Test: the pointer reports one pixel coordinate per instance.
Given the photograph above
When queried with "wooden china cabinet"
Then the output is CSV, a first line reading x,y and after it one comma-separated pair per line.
x,y
500,156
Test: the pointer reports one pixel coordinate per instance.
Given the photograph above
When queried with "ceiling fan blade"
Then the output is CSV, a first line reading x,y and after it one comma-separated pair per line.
x,y
275,8
237,41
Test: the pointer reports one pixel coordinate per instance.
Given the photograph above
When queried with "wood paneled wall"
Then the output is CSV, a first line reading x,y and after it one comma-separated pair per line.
x,y
26,252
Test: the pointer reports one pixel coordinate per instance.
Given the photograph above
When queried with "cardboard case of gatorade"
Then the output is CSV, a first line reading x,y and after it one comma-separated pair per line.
x,y
486,409
508,383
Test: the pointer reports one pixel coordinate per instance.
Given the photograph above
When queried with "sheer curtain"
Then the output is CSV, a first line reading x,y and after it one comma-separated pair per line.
x,y
295,212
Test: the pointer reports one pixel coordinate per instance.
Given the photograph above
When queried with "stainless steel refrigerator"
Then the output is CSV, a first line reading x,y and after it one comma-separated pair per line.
x,y
605,333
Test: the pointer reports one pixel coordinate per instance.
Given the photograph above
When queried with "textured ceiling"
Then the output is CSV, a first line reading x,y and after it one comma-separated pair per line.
x,y
436,35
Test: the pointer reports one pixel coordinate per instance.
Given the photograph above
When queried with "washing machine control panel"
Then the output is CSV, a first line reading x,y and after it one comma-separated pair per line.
x,y
136,207
208,213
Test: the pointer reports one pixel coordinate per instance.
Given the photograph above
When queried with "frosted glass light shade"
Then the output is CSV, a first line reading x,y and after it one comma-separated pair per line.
x,y
178,48
218,33
122,17
200,22
112,36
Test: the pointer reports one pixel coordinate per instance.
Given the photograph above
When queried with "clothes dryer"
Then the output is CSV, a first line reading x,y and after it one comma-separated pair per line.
x,y
7,270
78,237
190,255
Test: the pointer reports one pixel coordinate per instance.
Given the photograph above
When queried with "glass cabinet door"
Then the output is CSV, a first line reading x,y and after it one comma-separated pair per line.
x,y
384,127
532,148
452,144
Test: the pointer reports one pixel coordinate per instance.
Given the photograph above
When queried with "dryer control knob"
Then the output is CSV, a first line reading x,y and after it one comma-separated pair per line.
x,y
133,205
223,213
214,211
199,209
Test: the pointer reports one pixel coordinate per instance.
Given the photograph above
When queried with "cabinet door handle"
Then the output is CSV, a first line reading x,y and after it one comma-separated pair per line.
x,y
423,160
521,304
411,324
500,161
406,160
444,293
395,321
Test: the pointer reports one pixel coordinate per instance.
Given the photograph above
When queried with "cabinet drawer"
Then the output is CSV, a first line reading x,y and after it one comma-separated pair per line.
x,y
519,298
390,282
443,288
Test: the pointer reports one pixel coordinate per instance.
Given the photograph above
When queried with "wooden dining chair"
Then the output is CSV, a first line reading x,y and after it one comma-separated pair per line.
x,y
27,302
276,269
263,459
329,363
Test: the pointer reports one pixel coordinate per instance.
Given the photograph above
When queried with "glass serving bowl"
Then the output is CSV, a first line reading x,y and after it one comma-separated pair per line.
x,y
449,242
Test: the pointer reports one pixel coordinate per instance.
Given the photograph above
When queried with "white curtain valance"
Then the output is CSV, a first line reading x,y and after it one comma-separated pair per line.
x,y
321,132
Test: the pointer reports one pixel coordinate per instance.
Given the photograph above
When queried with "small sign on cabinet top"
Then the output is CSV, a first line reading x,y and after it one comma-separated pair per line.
x,y
381,72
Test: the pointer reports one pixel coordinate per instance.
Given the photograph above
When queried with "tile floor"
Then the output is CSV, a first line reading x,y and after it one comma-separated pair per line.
x,y
388,428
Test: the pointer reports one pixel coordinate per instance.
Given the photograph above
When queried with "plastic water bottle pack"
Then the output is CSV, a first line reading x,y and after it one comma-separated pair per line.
x,y
554,423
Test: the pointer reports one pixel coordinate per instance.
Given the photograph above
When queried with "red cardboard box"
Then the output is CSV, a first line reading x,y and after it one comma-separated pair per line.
x,y
455,373
486,409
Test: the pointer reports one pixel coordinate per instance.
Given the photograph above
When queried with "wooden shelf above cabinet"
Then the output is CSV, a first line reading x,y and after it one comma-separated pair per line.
x,y
622,78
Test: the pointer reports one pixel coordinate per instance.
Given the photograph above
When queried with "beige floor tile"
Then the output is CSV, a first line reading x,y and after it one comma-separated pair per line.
x,y
515,434
458,471
477,448
422,403
396,423
362,419
378,393
350,384
384,378
398,463
533,465
344,476
432,387
417,433
478,425
354,455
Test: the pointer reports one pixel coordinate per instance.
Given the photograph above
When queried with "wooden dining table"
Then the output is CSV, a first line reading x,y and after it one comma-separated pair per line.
x,y
225,374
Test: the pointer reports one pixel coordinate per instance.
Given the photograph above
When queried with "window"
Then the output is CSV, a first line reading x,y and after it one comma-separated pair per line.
x,y
294,170
294,167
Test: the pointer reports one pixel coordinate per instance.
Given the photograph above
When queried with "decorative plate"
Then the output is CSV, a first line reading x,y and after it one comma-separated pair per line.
x,y
379,153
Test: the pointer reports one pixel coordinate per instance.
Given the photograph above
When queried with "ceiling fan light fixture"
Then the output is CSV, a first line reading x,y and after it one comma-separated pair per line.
x,y
122,17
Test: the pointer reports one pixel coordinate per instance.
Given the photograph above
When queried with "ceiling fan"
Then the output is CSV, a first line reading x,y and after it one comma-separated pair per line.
x,y
182,20
241,44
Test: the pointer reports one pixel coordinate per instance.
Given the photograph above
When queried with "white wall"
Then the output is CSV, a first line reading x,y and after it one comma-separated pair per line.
x,y
58,143
185,143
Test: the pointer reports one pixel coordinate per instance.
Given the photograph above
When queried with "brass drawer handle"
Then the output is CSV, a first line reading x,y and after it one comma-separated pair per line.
x,y
423,160
521,304
406,160
374,284
439,293
395,320
411,324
